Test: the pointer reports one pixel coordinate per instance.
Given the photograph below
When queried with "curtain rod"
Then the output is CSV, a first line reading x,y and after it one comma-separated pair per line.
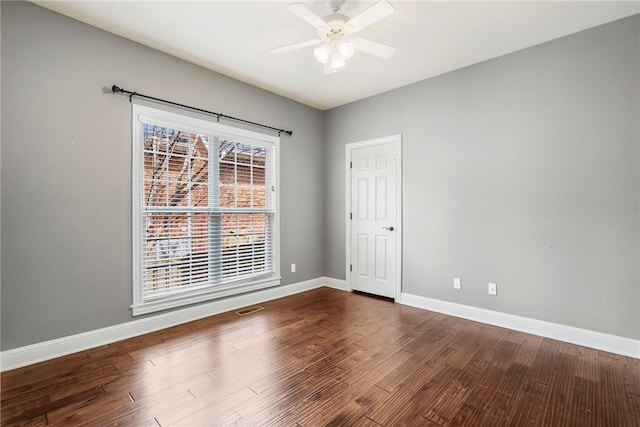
x,y
116,89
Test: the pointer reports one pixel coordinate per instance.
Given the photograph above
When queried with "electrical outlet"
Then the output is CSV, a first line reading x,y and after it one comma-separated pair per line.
x,y
456,283
293,268
493,289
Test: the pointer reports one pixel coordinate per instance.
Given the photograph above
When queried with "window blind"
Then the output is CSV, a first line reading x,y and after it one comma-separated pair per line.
x,y
208,212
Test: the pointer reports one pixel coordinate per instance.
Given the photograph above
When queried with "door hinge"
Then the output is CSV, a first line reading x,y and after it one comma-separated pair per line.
x,y
350,165
350,215
350,267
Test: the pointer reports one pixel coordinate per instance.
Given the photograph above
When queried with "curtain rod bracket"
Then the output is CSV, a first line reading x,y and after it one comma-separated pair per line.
x,y
131,94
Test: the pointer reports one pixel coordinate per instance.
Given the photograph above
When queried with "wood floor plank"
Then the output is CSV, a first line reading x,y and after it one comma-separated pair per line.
x,y
478,367
583,407
145,411
19,406
301,363
529,345
80,408
318,397
327,357
612,409
365,422
545,356
447,402
278,394
350,413
375,363
412,368
216,410
561,389
396,405
282,407
529,408
363,382
629,370
423,400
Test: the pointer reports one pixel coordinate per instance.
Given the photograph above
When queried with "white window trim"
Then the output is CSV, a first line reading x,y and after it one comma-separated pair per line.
x,y
142,114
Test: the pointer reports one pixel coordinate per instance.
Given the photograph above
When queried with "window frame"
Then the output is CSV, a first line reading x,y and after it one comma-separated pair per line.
x,y
142,115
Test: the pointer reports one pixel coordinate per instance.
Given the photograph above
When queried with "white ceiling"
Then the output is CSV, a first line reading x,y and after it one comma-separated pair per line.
x,y
431,38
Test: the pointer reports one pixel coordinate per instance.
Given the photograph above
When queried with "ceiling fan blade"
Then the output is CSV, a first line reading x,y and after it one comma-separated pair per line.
x,y
373,48
306,14
294,46
373,14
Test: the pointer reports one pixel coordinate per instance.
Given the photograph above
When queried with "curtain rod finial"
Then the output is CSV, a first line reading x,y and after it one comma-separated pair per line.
x,y
115,88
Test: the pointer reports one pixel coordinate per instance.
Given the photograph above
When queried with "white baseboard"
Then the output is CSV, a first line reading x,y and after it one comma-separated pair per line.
x,y
39,352
584,337
339,284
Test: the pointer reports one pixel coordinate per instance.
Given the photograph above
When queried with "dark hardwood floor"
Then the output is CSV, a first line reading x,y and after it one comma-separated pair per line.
x,y
327,357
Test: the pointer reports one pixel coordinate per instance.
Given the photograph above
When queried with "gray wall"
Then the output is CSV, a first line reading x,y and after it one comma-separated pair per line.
x,y
523,170
66,210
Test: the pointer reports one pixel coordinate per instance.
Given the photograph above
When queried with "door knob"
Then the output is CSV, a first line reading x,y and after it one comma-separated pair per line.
x,y
390,228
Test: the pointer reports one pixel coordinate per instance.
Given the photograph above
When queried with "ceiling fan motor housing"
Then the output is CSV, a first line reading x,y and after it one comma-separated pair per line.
x,y
335,28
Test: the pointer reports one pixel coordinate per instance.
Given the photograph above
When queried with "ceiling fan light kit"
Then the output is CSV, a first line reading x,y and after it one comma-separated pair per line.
x,y
335,54
335,34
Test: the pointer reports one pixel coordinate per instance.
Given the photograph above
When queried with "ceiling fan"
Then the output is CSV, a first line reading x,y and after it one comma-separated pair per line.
x,y
336,39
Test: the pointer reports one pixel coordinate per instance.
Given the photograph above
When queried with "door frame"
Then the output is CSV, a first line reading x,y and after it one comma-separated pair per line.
x,y
397,139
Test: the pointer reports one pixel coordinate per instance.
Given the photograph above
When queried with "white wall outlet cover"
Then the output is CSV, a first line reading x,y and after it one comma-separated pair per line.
x,y
293,268
493,289
456,283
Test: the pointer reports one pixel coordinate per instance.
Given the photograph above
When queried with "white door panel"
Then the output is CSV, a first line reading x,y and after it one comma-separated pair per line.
x,y
373,224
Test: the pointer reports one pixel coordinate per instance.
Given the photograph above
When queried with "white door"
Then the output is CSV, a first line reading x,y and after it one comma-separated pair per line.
x,y
373,219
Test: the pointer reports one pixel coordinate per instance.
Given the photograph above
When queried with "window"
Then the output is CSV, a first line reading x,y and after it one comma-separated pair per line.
x,y
205,210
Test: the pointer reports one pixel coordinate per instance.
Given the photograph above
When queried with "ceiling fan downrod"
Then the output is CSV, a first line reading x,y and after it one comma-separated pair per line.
x,y
335,5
